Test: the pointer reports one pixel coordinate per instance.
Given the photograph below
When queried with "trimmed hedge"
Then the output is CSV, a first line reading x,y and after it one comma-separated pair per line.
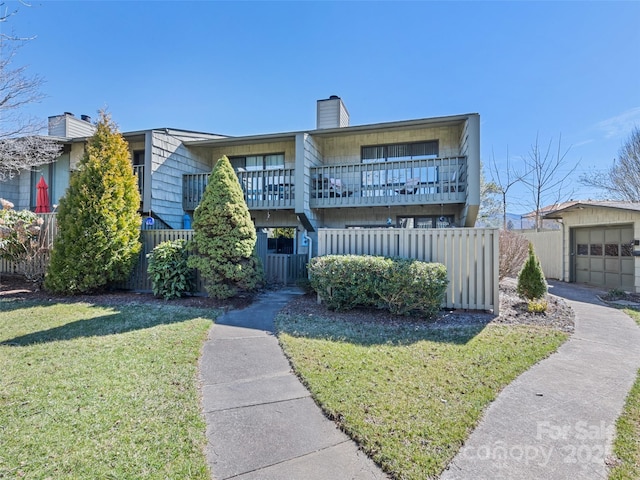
x,y
402,286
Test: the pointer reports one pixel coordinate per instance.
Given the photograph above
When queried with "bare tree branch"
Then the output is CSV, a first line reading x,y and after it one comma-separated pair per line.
x,y
622,180
546,179
21,148
504,182
18,154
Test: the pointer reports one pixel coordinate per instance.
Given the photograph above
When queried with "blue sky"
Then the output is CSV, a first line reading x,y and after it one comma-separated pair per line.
x,y
528,68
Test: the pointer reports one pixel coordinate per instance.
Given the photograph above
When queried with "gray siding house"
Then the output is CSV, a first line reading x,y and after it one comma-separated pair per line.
x,y
421,173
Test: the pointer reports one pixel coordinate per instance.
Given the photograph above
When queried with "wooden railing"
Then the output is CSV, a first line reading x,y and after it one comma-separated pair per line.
x,y
262,188
404,182
193,186
469,254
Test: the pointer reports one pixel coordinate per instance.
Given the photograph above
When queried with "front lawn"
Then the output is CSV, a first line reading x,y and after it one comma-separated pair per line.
x,y
91,391
626,446
409,393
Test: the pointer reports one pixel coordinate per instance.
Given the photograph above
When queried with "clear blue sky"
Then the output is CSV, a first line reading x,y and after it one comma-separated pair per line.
x,y
539,68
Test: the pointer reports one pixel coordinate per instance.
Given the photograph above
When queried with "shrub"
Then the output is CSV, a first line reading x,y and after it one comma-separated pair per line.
x,y
513,249
224,237
401,286
346,281
19,232
537,306
409,285
98,237
24,241
531,282
616,294
170,275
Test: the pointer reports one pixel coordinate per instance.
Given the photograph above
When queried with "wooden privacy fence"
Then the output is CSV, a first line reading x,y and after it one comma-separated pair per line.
x,y
139,280
286,269
280,269
38,262
548,247
469,254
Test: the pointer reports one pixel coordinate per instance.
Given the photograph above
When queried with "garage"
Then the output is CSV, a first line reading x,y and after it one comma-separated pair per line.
x,y
599,243
603,256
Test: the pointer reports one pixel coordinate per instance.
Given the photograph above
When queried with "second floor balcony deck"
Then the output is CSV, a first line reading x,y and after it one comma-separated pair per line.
x,y
404,182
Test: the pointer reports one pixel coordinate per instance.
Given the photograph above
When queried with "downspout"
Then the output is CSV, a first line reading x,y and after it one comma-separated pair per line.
x,y
564,248
308,239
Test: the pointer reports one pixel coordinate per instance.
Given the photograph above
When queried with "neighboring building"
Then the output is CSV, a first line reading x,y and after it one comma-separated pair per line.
x,y
600,243
420,173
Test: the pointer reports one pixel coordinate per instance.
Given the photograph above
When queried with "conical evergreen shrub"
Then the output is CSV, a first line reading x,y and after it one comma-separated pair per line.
x,y
98,237
531,282
224,237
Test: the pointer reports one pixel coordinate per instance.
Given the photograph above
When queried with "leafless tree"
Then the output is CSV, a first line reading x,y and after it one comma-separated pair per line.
x,y
622,180
514,249
504,180
20,145
547,176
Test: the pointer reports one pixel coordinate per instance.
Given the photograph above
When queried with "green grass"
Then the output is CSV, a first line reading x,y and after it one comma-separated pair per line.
x,y
409,394
626,446
101,392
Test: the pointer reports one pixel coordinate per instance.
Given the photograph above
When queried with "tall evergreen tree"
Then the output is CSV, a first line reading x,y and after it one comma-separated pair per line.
x,y
98,221
224,237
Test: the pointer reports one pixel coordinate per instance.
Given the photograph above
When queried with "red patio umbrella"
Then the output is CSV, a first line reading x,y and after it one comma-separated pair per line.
x,y
42,199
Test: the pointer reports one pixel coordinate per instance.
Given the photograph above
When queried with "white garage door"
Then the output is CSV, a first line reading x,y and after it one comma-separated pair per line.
x,y
603,256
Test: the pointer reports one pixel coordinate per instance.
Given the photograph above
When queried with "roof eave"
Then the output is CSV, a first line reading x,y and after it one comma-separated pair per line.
x,y
273,137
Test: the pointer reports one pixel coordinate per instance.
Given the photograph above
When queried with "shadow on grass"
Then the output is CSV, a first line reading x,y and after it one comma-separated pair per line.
x,y
121,320
373,332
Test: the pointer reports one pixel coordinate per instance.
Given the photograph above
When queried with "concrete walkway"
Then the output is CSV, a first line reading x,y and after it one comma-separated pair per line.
x,y
557,420
261,422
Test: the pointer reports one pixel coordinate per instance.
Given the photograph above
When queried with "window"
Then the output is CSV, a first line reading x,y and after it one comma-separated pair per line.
x,y
611,249
626,249
138,157
271,161
442,221
400,151
399,173
595,249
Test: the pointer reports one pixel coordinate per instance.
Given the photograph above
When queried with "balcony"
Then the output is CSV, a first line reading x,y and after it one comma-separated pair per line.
x,y
263,189
404,182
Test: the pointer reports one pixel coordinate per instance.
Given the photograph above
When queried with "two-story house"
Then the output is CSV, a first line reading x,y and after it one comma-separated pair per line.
x,y
421,173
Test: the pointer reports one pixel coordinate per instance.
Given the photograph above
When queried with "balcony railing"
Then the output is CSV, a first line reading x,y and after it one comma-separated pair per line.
x,y
404,182
262,188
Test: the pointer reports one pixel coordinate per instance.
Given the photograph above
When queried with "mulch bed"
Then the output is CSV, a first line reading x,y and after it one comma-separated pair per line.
x,y
513,310
17,288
